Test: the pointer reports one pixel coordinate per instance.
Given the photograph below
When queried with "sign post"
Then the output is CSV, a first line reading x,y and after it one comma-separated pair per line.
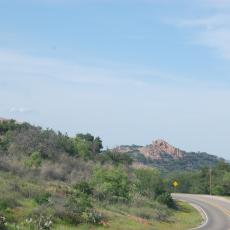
x,y
175,185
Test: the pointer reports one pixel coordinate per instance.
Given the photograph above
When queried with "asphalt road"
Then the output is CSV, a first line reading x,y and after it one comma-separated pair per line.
x,y
215,210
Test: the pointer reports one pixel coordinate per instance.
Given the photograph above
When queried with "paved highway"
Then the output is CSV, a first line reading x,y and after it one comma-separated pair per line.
x,y
215,210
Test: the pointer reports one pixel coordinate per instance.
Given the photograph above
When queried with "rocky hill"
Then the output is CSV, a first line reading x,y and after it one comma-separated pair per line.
x,y
155,151
159,148
167,157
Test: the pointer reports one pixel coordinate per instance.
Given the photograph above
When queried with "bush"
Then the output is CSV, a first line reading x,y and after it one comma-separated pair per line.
x,y
44,223
162,213
148,209
79,208
166,198
83,187
111,184
217,190
40,222
8,201
94,217
42,198
149,183
79,203
80,199
34,161
3,223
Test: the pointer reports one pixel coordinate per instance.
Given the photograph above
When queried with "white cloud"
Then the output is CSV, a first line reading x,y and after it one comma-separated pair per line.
x,y
16,65
210,25
212,32
218,39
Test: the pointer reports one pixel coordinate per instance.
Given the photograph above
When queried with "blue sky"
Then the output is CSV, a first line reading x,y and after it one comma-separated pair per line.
x,y
128,71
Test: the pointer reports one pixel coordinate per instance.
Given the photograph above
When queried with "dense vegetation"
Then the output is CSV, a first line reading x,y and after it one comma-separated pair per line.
x,y
199,181
49,179
191,161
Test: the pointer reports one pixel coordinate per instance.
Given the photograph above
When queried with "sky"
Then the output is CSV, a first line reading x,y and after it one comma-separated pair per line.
x,y
129,71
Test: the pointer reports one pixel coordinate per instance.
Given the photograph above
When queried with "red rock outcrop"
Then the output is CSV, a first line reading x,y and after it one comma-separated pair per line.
x,y
160,147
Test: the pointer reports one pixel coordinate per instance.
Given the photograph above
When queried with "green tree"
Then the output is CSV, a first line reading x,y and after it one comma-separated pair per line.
x,y
149,182
86,137
226,183
97,145
79,203
8,125
83,147
87,146
67,143
111,184
222,166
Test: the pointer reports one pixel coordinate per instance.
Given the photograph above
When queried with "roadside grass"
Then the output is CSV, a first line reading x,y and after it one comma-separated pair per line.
x,y
17,203
186,217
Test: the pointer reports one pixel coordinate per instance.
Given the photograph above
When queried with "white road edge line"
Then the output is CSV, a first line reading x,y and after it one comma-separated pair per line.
x,y
201,211
204,216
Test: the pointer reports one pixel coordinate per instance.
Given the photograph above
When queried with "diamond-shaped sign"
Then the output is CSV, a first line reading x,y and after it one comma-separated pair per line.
x,y
175,184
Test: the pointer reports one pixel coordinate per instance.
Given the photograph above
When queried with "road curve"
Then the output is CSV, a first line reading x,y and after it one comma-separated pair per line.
x,y
216,210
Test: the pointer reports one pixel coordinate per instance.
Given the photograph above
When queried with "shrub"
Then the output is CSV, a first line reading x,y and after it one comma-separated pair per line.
x,y
148,209
162,213
79,208
8,201
166,198
149,182
44,223
111,184
40,222
217,190
3,223
34,161
40,218
42,198
83,187
93,217
68,215
78,203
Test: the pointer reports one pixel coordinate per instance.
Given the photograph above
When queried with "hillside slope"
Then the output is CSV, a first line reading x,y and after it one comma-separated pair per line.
x,y
49,180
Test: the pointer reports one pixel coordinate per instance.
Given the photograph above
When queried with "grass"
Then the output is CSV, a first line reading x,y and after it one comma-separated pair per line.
x,y
187,217
184,218
118,217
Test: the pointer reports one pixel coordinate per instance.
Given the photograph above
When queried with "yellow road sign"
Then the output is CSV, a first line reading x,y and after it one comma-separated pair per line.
x,y
175,184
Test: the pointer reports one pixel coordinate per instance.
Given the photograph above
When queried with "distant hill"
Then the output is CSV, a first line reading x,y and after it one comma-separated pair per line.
x,y
166,157
3,119
22,139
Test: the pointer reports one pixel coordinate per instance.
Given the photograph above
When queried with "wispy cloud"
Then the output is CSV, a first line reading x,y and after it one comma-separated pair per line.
x,y
16,65
211,31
